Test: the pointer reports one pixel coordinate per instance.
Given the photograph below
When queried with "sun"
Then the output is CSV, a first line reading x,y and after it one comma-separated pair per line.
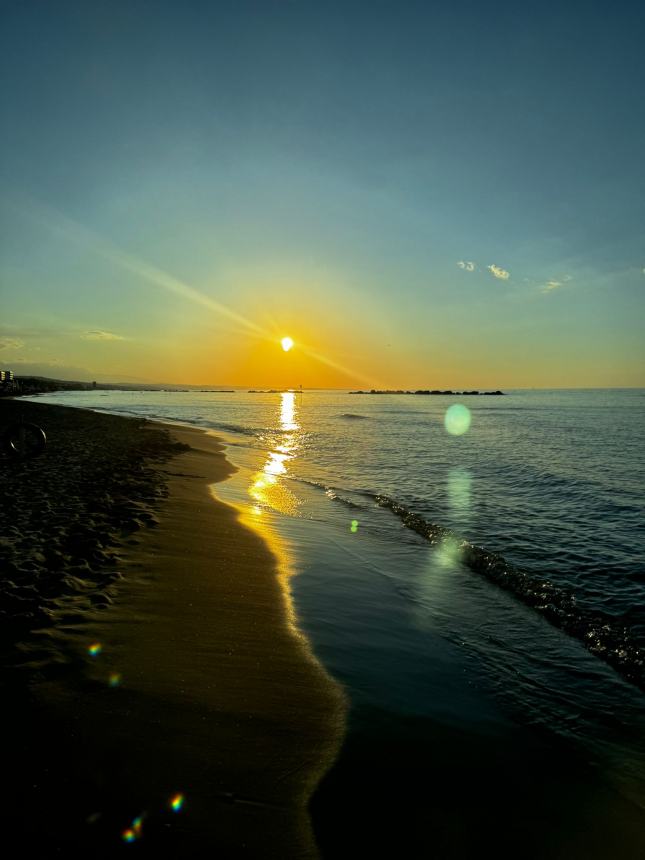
x,y
287,343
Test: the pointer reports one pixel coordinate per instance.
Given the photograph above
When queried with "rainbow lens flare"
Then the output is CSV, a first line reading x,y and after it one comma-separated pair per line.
x,y
176,802
114,679
457,419
94,649
133,832
354,527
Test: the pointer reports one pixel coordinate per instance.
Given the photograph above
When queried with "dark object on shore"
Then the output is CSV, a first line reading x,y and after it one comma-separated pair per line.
x,y
24,440
427,391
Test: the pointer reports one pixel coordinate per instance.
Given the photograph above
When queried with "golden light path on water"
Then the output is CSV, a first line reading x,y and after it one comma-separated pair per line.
x,y
267,487
267,492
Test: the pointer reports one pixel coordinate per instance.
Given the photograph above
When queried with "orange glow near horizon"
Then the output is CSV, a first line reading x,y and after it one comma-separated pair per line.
x,y
263,362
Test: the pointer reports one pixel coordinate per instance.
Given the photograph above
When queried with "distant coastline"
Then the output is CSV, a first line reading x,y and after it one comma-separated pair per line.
x,y
29,385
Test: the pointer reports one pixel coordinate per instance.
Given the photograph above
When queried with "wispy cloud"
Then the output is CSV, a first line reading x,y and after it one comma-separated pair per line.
x,y
97,334
467,265
498,272
553,285
11,343
550,286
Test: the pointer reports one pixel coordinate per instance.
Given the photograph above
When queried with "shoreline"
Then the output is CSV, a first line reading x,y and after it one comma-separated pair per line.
x,y
402,782
217,697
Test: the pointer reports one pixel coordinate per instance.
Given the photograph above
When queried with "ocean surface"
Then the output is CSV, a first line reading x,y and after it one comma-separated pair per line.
x,y
489,577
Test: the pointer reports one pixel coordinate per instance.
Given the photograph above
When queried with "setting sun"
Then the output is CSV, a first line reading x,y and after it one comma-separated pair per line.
x,y
287,343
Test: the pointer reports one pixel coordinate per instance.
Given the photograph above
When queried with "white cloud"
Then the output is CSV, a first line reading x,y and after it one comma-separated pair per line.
x,y
498,272
97,334
467,265
11,343
550,286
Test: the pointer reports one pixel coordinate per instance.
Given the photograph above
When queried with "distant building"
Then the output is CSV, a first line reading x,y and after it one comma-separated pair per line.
x,y
7,381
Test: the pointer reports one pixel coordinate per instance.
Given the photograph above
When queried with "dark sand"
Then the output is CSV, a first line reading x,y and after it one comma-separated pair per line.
x,y
65,514
218,697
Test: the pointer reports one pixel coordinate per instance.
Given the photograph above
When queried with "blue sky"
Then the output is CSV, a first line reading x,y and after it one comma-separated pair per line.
x,y
326,167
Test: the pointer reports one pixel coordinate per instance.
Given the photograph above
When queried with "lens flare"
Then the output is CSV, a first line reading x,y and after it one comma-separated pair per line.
x,y
459,490
354,527
448,553
129,835
114,680
176,802
94,649
287,343
457,419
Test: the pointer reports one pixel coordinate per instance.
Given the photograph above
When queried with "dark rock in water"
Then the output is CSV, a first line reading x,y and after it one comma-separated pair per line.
x,y
426,391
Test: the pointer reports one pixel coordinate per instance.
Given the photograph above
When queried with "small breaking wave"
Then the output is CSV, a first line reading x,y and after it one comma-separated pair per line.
x,y
234,428
354,416
598,632
331,493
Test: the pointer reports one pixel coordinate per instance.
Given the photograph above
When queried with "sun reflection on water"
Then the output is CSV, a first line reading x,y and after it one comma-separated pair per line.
x,y
267,489
268,493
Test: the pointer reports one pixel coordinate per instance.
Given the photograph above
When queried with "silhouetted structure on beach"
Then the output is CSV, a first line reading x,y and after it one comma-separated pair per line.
x,y
7,382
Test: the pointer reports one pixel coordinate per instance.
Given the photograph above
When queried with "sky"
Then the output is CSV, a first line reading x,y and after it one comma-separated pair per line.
x,y
436,194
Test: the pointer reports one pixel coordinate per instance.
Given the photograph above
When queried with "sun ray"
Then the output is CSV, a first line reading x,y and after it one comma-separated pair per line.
x,y
62,225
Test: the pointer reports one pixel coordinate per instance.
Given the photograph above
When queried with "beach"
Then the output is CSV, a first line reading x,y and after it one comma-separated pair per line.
x,y
292,673
326,540
173,671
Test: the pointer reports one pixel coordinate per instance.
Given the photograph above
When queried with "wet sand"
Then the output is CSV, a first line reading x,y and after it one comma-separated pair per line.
x,y
202,686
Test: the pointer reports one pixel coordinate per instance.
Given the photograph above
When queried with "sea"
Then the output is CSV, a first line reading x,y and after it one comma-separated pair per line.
x,y
474,562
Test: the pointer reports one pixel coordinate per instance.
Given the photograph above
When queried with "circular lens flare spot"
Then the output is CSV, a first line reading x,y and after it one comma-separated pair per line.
x,y
457,419
287,343
176,802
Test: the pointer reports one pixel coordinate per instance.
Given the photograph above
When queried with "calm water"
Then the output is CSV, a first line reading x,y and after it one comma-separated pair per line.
x,y
551,481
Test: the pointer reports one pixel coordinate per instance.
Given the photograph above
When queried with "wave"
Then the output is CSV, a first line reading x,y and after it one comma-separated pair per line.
x,y
331,493
354,416
599,632
234,428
